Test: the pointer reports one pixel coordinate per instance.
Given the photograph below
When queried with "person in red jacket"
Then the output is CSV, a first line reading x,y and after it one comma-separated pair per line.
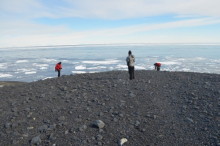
x,y
157,66
58,68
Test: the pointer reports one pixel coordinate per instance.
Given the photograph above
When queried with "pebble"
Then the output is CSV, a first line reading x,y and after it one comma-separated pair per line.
x,y
99,124
137,123
14,109
99,137
122,141
99,143
66,132
82,128
132,95
29,128
36,140
62,118
189,120
115,120
43,128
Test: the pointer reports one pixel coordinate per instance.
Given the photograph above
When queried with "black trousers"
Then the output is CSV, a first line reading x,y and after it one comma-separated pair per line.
x,y
131,72
58,73
158,68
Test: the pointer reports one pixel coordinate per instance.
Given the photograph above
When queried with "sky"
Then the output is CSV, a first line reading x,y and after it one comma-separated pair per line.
x,y
76,22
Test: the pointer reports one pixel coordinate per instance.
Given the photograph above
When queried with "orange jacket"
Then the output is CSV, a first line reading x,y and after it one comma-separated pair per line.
x,y
58,67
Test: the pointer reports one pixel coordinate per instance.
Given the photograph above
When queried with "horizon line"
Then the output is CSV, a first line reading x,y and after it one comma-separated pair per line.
x,y
110,44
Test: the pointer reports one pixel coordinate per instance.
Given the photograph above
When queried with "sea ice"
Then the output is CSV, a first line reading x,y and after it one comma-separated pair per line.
x,y
80,67
5,75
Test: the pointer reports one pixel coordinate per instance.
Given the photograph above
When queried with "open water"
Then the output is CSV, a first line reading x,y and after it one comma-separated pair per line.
x,y
35,63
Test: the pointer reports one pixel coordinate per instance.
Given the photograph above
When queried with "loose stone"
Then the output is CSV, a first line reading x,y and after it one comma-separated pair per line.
x,y
36,140
122,141
99,124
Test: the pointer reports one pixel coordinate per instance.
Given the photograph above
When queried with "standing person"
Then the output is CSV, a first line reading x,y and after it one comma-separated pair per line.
x,y
130,62
58,68
157,66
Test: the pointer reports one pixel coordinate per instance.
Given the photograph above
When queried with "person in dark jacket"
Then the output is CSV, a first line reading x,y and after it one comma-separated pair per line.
x,y
157,66
58,68
130,63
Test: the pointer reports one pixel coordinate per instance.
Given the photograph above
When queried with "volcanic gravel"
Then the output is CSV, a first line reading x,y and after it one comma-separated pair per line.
x,y
157,108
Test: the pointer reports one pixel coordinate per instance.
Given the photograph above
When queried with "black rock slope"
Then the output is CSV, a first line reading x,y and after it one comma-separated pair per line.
x,y
157,108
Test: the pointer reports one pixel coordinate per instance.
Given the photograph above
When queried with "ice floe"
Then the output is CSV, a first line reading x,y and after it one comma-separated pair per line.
x,y
3,65
49,60
101,62
139,67
31,72
78,72
47,78
41,66
21,61
80,67
5,75
98,67
170,63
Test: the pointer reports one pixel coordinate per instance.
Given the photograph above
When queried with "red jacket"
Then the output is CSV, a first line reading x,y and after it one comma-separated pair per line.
x,y
158,64
58,67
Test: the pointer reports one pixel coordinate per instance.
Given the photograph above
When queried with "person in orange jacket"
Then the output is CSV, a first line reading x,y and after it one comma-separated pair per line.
x,y
157,66
58,68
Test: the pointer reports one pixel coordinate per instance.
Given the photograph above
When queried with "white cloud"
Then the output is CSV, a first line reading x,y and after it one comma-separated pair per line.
x,y
22,7
147,27
110,9
54,37
18,29
25,27
121,9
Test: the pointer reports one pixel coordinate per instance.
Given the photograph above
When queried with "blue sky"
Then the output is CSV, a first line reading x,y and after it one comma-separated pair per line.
x,y
74,22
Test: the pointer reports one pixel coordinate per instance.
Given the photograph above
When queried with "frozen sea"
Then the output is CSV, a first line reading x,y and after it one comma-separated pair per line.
x,y
35,63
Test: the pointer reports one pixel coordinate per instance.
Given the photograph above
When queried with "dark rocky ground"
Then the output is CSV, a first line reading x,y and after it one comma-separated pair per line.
x,y
157,108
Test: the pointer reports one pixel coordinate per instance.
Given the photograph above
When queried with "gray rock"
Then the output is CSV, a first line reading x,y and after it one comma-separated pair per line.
x,y
66,132
15,142
132,95
189,120
99,137
74,138
27,109
122,141
121,115
36,140
136,124
14,109
99,143
42,96
99,124
115,120
43,128
7,125
82,128
64,88
62,118
13,126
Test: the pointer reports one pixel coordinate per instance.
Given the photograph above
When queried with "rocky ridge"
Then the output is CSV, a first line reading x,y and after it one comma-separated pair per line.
x,y
157,108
